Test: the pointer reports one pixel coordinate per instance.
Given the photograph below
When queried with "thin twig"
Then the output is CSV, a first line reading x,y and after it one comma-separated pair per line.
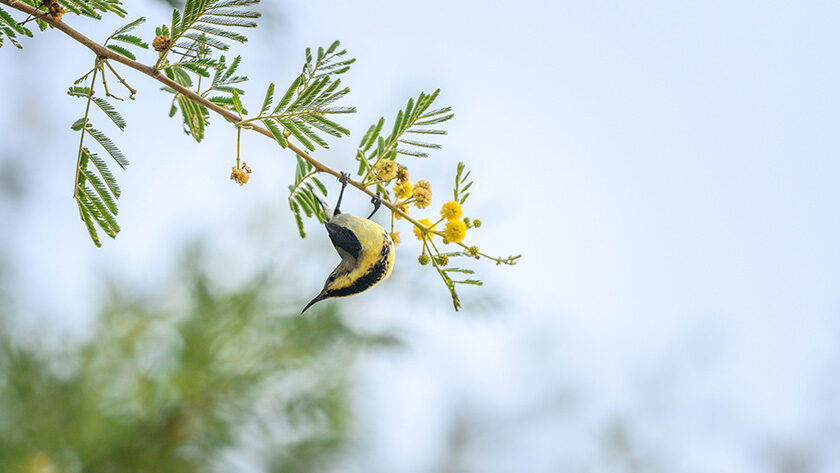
x,y
105,84
131,91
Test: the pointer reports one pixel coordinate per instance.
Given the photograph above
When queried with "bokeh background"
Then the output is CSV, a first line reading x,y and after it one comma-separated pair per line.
x,y
668,169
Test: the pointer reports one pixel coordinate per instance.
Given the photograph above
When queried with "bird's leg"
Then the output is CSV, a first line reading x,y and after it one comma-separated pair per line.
x,y
344,178
376,201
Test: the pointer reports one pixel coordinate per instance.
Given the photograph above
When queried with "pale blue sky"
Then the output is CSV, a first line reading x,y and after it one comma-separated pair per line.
x,y
669,170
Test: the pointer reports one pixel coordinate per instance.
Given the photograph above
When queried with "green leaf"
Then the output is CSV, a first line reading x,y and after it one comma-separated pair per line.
x,y
194,117
269,97
298,220
128,27
131,39
412,119
109,179
291,128
195,68
276,132
122,50
109,145
87,219
287,97
237,103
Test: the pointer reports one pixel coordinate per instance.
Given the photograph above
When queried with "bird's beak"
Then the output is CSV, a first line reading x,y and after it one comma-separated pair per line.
x,y
319,297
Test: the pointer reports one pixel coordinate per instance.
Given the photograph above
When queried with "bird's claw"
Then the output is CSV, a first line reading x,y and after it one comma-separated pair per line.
x,y
377,202
344,178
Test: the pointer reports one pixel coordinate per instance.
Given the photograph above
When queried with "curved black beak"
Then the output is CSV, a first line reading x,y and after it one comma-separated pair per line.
x,y
319,297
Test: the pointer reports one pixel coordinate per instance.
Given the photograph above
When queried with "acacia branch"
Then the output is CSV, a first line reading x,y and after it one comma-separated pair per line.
x,y
103,52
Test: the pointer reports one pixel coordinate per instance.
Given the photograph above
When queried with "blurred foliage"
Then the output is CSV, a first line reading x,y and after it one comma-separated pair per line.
x,y
207,378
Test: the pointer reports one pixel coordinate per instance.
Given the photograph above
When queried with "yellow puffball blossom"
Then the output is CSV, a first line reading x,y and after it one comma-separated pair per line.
x,y
386,170
451,210
423,259
402,175
403,189
455,230
404,208
395,237
419,234
422,194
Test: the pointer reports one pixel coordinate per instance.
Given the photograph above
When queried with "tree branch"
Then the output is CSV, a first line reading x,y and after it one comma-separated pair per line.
x,y
150,71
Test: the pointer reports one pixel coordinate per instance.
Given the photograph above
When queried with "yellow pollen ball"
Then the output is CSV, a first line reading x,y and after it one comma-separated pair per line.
x,y
451,210
424,185
455,230
403,189
419,233
386,169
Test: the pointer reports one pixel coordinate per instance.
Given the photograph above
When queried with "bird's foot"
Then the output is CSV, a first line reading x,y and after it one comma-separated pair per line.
x,y
344,178
377,202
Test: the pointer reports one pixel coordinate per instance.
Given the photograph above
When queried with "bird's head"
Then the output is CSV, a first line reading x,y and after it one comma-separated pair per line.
x,y
336,281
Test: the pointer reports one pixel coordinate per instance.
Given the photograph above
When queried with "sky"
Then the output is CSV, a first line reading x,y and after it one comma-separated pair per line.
x,y
668,170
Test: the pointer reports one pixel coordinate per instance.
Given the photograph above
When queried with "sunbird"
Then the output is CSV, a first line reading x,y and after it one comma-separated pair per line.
x,y
366,250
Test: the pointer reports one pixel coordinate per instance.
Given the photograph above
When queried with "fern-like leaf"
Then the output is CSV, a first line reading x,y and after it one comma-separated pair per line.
x,y
11,29
414,118
302,110
211,23
302,195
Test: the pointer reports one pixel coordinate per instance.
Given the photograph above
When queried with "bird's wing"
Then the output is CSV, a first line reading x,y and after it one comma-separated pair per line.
x,y
344,239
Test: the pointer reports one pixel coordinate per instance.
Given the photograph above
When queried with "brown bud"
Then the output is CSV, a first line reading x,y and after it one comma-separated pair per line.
x,y
56,11
161,43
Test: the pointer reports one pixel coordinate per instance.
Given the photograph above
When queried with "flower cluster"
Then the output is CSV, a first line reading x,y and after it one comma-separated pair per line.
x,y
452,226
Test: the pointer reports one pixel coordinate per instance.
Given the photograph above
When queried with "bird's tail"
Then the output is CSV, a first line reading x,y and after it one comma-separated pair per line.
x,y
328,211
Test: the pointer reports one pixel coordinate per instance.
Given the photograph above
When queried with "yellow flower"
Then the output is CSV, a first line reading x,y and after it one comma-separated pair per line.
x,y
442,260
423,259
386,170
419,233
455,230
451,210
422,194
403,189
402,175
395,237
404,208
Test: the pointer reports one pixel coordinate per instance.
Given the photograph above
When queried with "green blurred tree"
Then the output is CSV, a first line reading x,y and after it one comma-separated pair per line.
x,y
204,381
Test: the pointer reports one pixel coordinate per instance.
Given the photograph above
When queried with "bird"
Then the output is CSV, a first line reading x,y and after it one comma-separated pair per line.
x,y
366,250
